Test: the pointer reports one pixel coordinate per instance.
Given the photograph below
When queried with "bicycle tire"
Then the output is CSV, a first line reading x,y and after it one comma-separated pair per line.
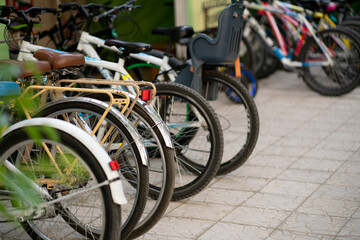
x,y
263,56
194,141
353,18
136,192
353,24
87,167
335,80
239,120
159,195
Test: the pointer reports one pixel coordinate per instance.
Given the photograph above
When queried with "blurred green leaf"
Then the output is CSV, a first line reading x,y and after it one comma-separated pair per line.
x,y
9,72
37,133
21,190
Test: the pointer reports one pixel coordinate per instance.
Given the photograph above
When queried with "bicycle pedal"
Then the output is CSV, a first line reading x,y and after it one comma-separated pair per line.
x,y
300,74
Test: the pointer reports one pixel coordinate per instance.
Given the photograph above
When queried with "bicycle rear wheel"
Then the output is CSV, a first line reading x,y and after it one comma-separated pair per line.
x,y
69,186
344,75
161,163
196,135
121,143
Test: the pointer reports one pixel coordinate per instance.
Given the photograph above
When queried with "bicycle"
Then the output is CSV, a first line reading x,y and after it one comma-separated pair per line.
x,y
59,171
267,62
151,129
326,50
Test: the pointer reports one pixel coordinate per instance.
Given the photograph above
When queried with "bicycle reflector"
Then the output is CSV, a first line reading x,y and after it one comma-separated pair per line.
x,y
114,165
146,94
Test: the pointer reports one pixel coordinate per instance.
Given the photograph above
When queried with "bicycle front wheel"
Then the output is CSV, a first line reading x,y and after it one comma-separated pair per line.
x,y
64,169
238,116
344,74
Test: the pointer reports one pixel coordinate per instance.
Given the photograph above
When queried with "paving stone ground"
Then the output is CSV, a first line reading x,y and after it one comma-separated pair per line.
x,y
301,182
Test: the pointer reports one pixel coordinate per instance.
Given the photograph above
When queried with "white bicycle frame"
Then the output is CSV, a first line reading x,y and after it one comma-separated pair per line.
x,y
85,44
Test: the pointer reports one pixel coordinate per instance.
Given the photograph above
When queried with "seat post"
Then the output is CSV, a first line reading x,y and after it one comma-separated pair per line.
x,y
168,50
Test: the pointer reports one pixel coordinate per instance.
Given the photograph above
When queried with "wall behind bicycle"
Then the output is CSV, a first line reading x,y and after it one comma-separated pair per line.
x,y
202,14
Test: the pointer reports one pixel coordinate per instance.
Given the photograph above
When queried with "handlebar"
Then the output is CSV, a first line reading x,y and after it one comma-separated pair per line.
x,y
35,11
68,6
74,6
7,10
5,21
85,10
124,7
101,6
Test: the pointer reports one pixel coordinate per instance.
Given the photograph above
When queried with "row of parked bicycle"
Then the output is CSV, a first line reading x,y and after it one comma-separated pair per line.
x,y
166,140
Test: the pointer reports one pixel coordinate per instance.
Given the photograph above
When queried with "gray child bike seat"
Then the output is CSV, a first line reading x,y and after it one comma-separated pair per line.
x,y
224,48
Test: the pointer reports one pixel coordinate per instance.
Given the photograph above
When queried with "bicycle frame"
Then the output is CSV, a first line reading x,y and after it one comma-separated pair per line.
x,y
325,19
104,66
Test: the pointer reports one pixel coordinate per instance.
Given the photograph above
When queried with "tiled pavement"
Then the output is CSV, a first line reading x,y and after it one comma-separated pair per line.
x,y
301,182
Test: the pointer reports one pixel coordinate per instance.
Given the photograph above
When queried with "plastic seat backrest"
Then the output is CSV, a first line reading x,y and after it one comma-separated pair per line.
x,y
226,44
221,49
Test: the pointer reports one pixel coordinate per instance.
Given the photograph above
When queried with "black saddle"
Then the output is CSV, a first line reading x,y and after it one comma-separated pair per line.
x,y
129,47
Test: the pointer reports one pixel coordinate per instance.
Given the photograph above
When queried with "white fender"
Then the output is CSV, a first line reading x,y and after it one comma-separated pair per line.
x,y
116,187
